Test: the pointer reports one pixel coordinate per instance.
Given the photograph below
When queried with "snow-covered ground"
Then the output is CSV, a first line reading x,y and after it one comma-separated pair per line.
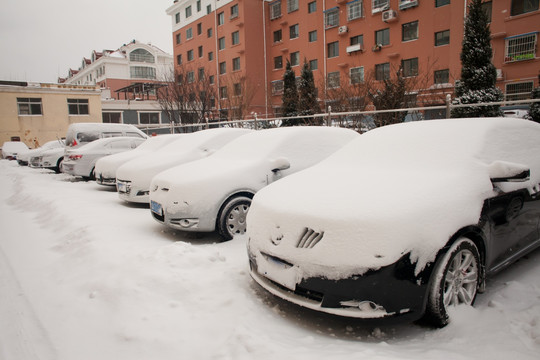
x,y
84,275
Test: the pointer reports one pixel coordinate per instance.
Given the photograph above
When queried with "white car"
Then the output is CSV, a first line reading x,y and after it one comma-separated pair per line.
x,y
81,161
51,159
106,166
134,177
23,158
406,221
216,192
10,149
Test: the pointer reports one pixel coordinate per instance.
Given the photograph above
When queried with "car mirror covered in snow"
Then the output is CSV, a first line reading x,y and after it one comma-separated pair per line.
x,y
280,163
503,171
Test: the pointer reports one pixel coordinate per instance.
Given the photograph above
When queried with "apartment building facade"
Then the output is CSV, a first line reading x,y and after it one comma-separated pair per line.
x,y
346,42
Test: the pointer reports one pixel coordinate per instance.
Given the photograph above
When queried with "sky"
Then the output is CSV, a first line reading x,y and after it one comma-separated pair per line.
x,y
41,40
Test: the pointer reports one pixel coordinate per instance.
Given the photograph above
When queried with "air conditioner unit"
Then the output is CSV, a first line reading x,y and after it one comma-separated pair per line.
x,y
343,29
389,15
353,48
500,75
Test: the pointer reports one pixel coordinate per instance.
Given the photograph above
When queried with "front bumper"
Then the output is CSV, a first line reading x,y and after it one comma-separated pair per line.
x,y
391,291
104,180
181,217
128,191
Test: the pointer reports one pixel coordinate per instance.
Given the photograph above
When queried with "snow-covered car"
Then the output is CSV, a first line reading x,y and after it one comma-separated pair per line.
x,y
10,149
106,166
51,159
216,192
23,158
406,221
134,177
79,134
82,160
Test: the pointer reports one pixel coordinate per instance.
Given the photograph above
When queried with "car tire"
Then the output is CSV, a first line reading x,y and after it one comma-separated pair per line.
x,y
232,217
59,164
455,280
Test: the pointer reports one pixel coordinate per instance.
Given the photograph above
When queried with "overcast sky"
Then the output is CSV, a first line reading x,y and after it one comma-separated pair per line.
x,y
41,40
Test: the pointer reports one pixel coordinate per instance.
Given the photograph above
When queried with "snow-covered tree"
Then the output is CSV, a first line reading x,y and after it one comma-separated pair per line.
x,y
534,110
290,96
307,95
478,74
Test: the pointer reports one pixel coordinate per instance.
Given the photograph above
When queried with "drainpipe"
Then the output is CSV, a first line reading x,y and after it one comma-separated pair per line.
x,y
265,62
218,102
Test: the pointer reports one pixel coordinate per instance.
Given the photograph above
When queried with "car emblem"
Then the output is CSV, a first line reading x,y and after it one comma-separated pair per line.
x,y
276,240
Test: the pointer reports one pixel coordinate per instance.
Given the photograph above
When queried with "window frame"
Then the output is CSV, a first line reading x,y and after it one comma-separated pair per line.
x,y
521,47
331,18
29,106
440,38
519,7
78,107
410,67
383,32
411,30
332,49
354,77
294,31
355,10
382,71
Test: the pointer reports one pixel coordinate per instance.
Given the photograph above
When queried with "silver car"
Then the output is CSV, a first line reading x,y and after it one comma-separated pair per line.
x,y
82,161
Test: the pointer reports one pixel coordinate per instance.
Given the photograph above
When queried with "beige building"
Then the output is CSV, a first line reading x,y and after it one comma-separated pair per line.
x,y
36,112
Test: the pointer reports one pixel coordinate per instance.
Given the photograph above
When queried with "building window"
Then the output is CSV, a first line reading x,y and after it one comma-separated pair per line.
x,y
77,106
201,52
177,17
141,55
357,75
111,117
518,91
222,68
278,62
331,17
442,38
208,9
179,59
221,43
295,58
180,79
354,10
198,5
293,31
201,74
382,71
236,64
410,67
277,87
190,55
209,32
223,92
190,77
188,11
235,36
520,47
234,11
211,79
210,55
379,5
439,3
277,35
312,36
237,89
189,33
29,106
148,118
313,64
199,28
358,39
142,72
312,7
409,31
333,79
221,18
441,76
292,5
487,6
333,49
178,38
523,6
275,10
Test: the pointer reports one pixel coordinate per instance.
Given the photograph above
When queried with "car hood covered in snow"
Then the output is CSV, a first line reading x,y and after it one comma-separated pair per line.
x,y
399,189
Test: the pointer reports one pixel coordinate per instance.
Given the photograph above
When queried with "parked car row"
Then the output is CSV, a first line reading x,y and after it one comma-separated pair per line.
x,y
404,221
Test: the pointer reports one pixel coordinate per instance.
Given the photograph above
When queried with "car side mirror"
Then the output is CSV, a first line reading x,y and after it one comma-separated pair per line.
x,y
280,163
503,171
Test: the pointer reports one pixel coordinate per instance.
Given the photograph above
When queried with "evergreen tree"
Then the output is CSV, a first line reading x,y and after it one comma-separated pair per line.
x,y
478,75
307,96
289,97
534,110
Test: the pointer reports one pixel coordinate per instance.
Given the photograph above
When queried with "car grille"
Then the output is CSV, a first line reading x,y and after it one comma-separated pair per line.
x,y
309,239
158,217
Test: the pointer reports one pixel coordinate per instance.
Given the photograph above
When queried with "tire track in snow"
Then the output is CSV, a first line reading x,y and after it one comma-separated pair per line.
x,y
22,336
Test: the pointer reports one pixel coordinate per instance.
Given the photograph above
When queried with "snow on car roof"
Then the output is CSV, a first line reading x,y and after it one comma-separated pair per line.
x,y
397,189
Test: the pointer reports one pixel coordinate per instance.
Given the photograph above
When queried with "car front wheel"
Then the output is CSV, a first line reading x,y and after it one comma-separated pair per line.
x,y
455,282
232,219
